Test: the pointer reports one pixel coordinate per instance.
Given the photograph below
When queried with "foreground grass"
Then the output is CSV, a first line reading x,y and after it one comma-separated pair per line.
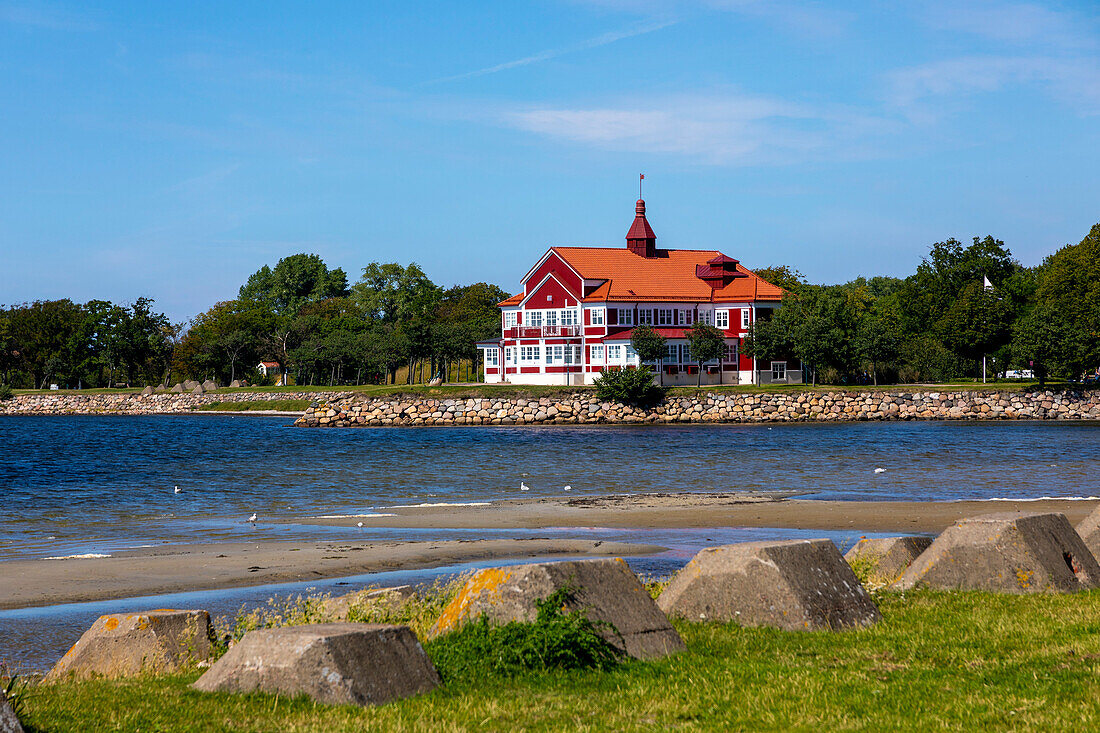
x,y
938,660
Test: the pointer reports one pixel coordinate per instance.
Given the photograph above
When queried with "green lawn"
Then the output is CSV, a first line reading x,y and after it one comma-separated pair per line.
x,y
956,661
288,405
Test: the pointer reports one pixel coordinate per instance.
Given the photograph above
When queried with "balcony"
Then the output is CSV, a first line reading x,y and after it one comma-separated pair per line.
x,y
542,332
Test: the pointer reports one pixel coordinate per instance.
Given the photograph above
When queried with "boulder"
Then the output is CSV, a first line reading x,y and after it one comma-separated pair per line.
x,y
147,391
198,390
8,722
118,645
235,384
382,599
190,384
210,385
177,388
337,664
1010,552
794,585
435,382
887,557
606,591
1089,530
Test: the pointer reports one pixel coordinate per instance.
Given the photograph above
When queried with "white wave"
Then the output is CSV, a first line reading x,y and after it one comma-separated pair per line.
x,y
353,516
85,556
438,504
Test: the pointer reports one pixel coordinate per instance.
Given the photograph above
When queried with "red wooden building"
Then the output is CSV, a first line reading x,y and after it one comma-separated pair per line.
x,y
579,306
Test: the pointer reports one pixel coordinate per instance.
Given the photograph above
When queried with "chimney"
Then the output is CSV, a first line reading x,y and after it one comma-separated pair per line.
x,y
640,239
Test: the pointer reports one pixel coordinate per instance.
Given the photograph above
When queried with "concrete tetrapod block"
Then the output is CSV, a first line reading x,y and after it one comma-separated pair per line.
x,y
1010,552
368,599
117,645
190,384
606,591
177,388
147,391
8,722
337,664
794,585
1089,530
209,385
198,390
888,557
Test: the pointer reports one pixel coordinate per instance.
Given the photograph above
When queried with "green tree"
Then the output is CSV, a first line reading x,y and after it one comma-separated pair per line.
x,y
978,322
650,347
707,343
878,338
784,276
295,281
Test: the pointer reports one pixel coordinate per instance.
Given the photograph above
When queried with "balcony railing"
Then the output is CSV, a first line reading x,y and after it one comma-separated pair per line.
x,y
536,332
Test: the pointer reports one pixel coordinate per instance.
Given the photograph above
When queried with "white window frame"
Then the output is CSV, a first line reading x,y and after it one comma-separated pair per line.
x,y
491,357
685,354
597,353
745,318
626,317
779,370
614,353
630,355
568,317
672,353
666,316
732,354
598,316
534,319
645,316
722,319
509,319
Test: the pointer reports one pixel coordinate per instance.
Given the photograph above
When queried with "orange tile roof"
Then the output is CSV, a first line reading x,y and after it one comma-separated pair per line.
x,y
670,276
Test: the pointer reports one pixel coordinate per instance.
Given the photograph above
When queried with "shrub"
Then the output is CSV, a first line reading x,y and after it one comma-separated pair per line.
x,y
6,392
554,640
629,387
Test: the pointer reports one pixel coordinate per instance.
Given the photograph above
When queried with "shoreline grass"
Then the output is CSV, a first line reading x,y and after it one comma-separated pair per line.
x,y
956,661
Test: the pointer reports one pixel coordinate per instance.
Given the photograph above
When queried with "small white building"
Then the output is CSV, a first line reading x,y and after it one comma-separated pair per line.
x,y
272,369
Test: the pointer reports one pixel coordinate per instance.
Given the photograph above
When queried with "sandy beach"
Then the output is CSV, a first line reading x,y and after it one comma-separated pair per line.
x,y
669,511
169,569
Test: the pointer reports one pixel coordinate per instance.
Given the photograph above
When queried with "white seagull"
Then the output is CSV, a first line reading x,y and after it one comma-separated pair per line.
x,y
252,518
359,525
880,470
524,487
568,488
178,490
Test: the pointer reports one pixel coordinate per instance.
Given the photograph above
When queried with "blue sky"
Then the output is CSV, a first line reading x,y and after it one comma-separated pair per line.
x,y
170,150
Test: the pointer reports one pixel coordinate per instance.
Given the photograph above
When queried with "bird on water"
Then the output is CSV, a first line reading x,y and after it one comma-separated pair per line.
x,y
178,490
252,519
524,487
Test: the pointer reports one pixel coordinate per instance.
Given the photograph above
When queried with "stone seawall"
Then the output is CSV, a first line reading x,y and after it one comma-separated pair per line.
x,y
353,411
135,404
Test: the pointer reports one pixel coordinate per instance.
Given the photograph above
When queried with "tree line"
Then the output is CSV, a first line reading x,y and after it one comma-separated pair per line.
x,y
299,313
963,303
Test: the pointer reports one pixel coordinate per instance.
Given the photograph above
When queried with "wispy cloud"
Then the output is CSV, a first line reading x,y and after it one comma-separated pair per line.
x,y
804,17
38,16
726,128
1012,22
601,40
1073,81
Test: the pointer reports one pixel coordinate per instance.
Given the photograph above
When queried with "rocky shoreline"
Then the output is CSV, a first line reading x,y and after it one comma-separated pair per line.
x,y
348,409
811,406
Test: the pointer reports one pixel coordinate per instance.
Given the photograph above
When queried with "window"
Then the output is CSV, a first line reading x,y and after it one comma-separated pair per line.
x,y
491,357
722,319
614,353
626,317
645,315
687,317
707,317
509,319
779,371
744,318
597,353
666,317
568,354
551,319
569,317
631,355
529,354
672,353
685,354
534,318
731,353
597,316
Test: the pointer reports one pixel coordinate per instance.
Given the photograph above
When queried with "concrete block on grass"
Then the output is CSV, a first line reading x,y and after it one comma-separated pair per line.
x,y
795,585
335,664
383,599
1010,552
8,722
118,645
607,591
887,557
209,385
1089,530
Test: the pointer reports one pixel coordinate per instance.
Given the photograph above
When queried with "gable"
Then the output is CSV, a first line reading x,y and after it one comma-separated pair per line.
x,y
550,293
552,264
